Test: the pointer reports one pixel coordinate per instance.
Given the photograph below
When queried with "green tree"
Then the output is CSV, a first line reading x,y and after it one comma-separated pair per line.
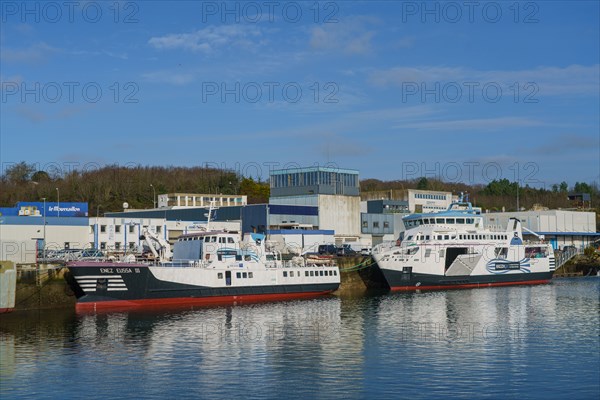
x,y
423,184
40,176
564,187
19,173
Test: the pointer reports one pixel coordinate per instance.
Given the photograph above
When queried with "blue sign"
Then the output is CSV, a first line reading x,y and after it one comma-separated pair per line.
x,y
53,209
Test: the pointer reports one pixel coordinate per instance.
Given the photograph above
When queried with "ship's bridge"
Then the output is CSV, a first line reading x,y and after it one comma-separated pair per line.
x,y
459,213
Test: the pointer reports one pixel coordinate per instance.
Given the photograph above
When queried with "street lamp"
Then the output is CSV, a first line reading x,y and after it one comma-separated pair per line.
x,y
44,248
58,200
153,196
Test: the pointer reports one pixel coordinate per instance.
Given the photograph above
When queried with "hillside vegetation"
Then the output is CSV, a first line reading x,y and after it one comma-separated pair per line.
x,y
105,189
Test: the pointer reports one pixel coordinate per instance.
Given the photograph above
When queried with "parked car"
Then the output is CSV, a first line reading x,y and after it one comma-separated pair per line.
x,y
327,249
365,252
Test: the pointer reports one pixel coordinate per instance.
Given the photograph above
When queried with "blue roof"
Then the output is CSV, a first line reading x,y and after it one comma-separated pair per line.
x,y
301,231
568,233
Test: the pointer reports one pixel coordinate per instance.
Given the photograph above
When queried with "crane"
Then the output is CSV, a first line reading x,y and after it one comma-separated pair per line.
x,y
154,241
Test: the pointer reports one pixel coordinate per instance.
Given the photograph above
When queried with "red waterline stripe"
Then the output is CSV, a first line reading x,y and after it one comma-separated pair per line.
x,y
191,301
5,310
469,285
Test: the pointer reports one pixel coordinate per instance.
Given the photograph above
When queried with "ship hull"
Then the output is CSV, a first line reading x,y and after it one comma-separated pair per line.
x,y
400,281
134,285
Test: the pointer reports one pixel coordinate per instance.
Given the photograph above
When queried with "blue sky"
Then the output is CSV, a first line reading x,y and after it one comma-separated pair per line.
x,y
468,91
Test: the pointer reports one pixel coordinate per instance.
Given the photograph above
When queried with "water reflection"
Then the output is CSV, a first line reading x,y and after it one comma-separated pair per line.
x,y
510,341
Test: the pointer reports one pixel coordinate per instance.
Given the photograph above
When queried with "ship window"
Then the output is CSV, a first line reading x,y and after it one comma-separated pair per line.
x,y
220,275
469,220
410,237
291,274
321,273
460,220
439,220
446,237
426,237
250,275
244,274
221,240
238,275
439,237
247,257
449,220
238,257
312,273
427,252
230,240
305,273
334,272
285,274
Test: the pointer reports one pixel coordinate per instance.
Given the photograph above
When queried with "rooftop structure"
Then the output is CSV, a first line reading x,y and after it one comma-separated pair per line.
x,y
314,180
189,200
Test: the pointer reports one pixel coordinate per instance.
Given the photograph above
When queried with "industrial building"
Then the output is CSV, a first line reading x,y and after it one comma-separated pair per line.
x,y
334,192
560,227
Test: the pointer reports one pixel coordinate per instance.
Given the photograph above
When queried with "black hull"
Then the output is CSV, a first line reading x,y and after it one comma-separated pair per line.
x,y
398,280
123,288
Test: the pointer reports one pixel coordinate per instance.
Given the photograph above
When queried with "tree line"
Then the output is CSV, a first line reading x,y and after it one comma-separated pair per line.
x,y
107,188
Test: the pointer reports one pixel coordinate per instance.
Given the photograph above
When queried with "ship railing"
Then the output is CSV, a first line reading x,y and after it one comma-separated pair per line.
x,y
562,256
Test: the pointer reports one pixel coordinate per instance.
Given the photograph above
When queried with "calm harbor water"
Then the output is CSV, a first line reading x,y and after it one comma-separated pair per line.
x,y
508,342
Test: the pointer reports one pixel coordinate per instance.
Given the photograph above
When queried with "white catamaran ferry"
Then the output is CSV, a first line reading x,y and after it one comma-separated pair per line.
x,y
452,249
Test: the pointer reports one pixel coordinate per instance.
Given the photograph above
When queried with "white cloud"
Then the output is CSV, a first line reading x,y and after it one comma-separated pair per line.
x,y
350,36
32,54
480,124
210,39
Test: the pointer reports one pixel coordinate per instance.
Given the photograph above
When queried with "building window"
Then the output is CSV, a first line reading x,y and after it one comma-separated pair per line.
x,y
158,229
117,245
117,228
102,228
220,275
131,245
365,224
375,224
131,228
102,245
386,224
